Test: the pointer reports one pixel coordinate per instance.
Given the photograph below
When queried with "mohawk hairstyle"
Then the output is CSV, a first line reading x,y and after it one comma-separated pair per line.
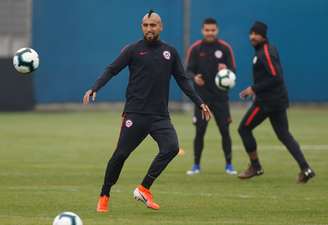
x,y
151,11
210,20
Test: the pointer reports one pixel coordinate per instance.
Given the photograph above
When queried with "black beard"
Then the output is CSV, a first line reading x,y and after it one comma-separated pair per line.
x,y
254,44
211,41
259,44
152,40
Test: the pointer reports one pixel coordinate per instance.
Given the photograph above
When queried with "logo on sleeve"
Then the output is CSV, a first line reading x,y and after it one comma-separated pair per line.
x,y
254,59
143,53
167,55
218,54
128,123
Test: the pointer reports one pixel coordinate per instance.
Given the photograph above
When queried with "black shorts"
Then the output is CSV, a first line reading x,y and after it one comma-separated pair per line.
x,y
136,127
220,110
257,113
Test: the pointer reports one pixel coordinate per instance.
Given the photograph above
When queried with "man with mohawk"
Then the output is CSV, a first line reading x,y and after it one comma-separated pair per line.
x,y
151,63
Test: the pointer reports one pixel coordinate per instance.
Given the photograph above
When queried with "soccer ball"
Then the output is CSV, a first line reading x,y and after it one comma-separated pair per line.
x,y
225,79
67,218
26,60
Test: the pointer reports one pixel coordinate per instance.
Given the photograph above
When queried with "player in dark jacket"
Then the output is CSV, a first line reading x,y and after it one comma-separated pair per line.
x,y
205,58
151,63
271,101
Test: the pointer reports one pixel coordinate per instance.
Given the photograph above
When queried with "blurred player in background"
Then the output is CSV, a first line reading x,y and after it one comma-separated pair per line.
x,y
151,63
204,59
271,101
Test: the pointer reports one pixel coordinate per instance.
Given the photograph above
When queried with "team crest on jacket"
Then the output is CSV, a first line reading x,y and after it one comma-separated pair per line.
x,y
128,123
167,55
254,59
218,54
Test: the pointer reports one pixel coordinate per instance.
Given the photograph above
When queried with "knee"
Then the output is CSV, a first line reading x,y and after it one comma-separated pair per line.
x,y
119,156
224,130
243,130
284,137
172,148
200,132
175,152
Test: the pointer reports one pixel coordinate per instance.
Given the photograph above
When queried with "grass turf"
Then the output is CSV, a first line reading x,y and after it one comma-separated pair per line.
x,y
54,162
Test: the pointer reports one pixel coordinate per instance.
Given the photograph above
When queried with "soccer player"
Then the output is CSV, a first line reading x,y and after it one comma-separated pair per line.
x,y
205,58
151,63
270,101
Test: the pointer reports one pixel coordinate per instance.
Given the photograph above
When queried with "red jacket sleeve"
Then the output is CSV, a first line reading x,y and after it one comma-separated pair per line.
x,y
231,62
191,60
271,63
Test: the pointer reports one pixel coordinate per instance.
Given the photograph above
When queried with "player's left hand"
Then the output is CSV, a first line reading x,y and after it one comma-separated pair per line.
x,y
246,93
222,66
206,112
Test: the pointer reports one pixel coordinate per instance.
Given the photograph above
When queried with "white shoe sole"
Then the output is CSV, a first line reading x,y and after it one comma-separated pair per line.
x,y
231,172
191,172
139,197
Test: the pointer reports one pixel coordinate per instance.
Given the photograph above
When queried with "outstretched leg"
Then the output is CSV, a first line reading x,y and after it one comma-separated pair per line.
x,y
279,122
163,132
134,130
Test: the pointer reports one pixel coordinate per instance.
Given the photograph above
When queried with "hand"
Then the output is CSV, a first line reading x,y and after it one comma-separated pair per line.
x,y
222,66
181,152
199,80
206,112
246,93
87,96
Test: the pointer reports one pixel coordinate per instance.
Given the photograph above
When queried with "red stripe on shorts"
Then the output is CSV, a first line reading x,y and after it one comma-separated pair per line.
x,y
251,117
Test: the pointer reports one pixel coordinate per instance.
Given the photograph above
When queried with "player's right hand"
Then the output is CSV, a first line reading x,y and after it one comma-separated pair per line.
x,y
87,95
199,80
206,112
248,92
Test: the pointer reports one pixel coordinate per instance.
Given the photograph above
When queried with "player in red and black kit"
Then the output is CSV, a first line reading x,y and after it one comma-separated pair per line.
x,y
205,58
270,101
151,63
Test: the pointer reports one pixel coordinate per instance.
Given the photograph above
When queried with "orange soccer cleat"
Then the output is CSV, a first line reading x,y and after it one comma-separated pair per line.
x,y
102,205
144,195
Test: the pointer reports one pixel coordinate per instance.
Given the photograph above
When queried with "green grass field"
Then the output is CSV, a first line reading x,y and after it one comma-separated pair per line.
x,y
54,162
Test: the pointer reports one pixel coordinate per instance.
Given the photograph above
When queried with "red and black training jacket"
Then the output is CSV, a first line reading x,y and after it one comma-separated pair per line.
x,y
204,58
269,85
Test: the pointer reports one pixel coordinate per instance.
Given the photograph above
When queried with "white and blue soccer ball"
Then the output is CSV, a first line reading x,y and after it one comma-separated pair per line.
x,y
67,218
225,79
26,60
